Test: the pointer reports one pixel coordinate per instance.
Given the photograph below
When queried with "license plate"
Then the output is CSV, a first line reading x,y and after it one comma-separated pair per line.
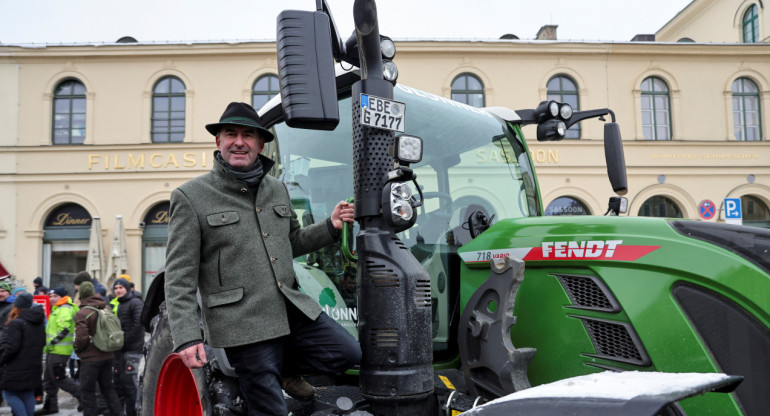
x,y
382,113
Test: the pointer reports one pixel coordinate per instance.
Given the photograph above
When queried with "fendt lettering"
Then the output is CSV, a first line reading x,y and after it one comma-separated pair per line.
x,y
580,249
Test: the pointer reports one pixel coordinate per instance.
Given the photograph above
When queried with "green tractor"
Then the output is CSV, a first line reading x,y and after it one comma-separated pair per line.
x,y
464,296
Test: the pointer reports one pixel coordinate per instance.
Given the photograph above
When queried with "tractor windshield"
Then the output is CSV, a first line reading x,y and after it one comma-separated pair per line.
x,y
472,161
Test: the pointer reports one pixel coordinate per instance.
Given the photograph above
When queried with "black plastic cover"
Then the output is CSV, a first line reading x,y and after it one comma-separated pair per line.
x,y
751,243
306,70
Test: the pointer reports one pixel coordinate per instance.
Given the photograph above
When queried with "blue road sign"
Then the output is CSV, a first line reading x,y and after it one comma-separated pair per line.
x,y
733,212
707,209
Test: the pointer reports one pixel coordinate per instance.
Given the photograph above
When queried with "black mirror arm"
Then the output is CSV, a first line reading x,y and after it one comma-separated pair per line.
x,y
582,115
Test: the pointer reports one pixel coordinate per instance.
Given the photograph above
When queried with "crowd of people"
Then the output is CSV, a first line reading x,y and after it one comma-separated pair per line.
x,y
43,351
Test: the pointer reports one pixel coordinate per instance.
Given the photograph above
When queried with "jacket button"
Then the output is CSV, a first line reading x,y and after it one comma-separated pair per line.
x,y
259,209
280,284
224,219
265,234
244,190
273,259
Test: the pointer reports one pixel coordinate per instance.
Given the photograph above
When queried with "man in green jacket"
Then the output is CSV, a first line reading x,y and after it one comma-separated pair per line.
x,y
232,238
59,339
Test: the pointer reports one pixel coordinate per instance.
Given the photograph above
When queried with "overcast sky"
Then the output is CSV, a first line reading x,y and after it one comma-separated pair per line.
x,y
105,21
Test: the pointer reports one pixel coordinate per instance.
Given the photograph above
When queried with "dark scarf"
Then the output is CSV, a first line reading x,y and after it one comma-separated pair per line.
x,y
251,177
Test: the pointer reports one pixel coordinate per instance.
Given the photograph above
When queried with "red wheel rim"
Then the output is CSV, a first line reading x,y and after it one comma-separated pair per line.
x,y
177,392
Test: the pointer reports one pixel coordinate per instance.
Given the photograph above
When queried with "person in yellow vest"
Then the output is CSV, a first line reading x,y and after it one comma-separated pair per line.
x,y
59,337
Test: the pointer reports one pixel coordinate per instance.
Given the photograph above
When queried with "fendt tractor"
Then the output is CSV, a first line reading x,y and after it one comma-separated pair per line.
x,y
463,295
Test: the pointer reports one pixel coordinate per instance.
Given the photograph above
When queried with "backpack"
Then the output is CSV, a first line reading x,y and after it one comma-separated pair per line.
x,y
109,335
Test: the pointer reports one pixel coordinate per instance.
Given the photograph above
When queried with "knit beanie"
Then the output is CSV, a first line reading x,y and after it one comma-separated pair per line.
x,y
18,289
23,300
38,280
61,291
81,277
86,290
122,282
6,286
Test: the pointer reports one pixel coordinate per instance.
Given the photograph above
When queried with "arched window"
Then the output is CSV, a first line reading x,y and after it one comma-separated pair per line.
x,y
69,113
660,206
656,109
747,125
168,110
468,89
751,25
563,89
154,241
566,205
755,212
264,88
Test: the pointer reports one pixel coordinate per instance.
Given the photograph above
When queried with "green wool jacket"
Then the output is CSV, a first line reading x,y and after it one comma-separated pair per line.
x,y
238,253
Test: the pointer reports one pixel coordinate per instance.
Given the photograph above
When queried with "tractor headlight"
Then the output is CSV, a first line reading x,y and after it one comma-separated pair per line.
x,y
389,71
407,149
400,206
553,108
387,47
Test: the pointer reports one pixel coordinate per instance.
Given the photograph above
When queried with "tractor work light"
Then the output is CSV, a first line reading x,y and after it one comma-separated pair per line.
x,y
389,71
550,130
407,149
553,110
387,47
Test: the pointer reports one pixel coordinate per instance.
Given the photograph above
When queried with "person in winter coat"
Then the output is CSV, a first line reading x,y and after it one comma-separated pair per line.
x,y
40,288
127,360
95,365
22,357
60,335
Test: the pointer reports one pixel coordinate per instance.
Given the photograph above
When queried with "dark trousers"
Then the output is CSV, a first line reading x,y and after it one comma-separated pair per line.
x,y
91,374
126,379
55,378
320,346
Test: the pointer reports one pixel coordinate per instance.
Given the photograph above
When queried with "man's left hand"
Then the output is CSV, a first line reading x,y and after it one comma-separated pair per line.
x,y
343,212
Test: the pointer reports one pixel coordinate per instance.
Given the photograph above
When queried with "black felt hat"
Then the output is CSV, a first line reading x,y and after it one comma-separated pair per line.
x,y
240,114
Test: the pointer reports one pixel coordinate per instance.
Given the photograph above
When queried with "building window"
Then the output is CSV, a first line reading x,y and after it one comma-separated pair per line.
x,y
755,212
154,242
67,230
564,90
69,113
656,113
265,88
747,125
660,206
751,25
468,89
565,205
168,110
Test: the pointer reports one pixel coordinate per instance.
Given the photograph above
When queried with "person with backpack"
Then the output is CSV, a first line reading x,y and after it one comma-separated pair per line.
x,y
95,364
127,360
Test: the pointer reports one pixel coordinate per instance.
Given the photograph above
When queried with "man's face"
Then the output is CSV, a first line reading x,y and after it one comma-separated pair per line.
x,y
239,145
119,290
54,298
4,294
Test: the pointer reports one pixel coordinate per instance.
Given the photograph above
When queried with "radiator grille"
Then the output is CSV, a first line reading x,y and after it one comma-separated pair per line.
x,y
588,292
616,341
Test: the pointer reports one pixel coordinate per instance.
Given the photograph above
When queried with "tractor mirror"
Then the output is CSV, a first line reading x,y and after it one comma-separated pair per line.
x,y
306,70
616,162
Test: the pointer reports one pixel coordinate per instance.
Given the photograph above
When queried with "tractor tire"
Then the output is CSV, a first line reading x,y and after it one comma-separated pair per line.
x,y
168,387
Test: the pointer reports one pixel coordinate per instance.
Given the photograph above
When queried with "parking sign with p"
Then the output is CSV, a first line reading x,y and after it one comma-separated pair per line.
x,y
733,213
